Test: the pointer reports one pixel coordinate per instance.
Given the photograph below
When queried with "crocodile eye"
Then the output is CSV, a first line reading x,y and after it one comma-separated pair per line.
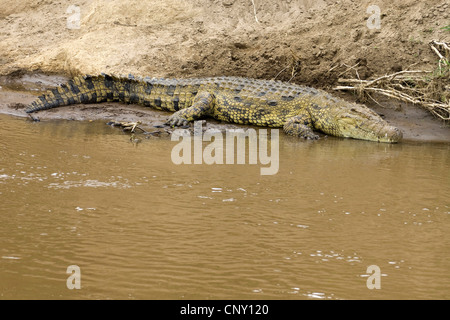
x,y
347,120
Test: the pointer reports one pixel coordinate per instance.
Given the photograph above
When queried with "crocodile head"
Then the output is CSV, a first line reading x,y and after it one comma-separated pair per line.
x,y
355,121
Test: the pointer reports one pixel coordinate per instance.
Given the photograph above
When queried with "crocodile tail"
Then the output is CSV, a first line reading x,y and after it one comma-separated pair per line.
x,y
90,89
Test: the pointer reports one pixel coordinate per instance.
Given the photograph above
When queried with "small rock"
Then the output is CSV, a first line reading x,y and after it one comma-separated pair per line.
x,y
356,35
227,3
396,68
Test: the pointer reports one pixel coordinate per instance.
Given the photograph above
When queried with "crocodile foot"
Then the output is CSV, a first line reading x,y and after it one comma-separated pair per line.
x,y
176,121
311,136
299,130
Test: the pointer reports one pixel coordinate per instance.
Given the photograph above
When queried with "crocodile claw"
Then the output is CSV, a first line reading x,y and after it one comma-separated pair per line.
x,y
176,121
312,136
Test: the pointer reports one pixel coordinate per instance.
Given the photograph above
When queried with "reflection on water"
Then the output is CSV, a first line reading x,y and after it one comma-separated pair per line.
x,y
140,227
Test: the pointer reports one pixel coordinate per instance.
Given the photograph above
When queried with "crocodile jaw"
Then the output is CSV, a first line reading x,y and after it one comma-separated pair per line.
x,y
357,122
378,131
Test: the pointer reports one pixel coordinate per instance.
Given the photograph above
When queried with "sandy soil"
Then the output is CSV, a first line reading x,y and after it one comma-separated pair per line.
x,y
303,41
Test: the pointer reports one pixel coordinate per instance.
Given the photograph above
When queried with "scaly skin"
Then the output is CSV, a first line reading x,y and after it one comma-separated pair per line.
x,y
299,110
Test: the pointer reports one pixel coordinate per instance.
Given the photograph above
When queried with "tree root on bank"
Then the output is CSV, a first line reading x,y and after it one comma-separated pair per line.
x,y
131,127
428,89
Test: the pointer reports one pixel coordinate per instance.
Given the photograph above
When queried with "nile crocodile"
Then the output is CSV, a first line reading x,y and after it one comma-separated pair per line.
x,y
299,110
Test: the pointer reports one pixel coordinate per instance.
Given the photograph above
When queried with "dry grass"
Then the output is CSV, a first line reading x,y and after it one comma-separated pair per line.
x,y
428,89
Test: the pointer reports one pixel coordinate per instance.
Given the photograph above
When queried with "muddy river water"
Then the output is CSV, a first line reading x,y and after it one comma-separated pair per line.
x,y
138,226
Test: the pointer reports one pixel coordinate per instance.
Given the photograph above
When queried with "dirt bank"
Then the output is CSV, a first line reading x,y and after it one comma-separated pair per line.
x,y
175,38
302,41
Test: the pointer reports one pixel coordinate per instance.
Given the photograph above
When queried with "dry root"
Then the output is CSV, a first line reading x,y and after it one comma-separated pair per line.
x,y
428,89
126,126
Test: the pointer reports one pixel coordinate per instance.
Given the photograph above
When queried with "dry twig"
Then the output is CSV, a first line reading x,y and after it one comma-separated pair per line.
x,y
430,90
254,10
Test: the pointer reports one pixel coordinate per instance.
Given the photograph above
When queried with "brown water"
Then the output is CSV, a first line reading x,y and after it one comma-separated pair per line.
x,y
140,227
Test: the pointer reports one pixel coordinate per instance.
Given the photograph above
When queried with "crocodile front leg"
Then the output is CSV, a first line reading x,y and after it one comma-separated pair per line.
x,y
202,105
300,126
